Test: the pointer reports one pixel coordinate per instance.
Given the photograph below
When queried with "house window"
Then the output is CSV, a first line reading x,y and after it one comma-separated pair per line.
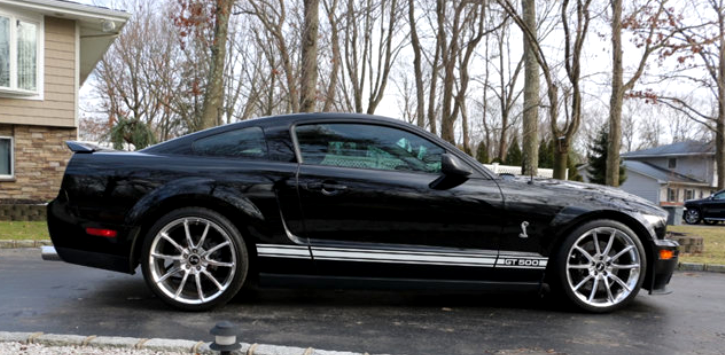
x,y
20,54
689,194
672,163
7,158
672,195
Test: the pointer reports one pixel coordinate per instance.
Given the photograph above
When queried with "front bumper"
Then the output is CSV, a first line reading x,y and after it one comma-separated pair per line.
x,y
662,270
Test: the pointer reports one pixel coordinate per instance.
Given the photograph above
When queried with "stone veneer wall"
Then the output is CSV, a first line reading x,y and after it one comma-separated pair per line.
x,y
40,160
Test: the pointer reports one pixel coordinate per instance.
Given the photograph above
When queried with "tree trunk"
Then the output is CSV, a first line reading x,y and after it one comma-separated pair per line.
x,y
720,124
561,156
417,67
336,57
440,47
617,98
530,134
308,84
214,94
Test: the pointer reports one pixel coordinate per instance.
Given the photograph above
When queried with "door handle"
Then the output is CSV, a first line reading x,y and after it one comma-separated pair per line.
x,y
333,186
327,187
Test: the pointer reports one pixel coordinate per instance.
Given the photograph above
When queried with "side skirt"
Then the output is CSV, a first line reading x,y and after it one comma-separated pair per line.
x,y
369,283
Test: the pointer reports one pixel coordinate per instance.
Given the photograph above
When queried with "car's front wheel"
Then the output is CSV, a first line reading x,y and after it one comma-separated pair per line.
x,y
194,259
692,216
601,266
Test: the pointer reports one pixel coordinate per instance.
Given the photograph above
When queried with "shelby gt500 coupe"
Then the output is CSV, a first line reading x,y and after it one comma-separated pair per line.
x,y
347,200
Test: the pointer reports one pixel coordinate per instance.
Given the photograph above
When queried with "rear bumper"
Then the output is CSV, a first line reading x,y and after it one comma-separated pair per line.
x,y
662,270
74,246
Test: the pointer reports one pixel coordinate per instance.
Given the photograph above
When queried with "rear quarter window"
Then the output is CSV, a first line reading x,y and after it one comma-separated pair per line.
x,y
241,143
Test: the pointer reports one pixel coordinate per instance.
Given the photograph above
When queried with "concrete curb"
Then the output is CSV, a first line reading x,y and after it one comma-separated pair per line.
x,y
155,344
17,244
701,267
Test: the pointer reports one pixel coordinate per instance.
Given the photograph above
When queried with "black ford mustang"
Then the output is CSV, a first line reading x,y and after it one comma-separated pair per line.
x,y
345,200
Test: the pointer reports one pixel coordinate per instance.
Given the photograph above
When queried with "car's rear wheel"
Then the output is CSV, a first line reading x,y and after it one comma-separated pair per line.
x,y
194,259
692,216
601,266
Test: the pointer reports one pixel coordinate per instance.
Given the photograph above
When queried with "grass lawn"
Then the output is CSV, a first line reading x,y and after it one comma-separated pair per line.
x,y
713,239
23,230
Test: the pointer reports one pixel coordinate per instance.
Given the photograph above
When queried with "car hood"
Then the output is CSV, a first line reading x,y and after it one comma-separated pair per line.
x,y
615,198
695,202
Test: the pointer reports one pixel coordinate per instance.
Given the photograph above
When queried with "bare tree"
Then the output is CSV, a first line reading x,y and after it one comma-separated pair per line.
x,y
466,31
417,66
334,21
369,49
647,21
273,17
507,91
308,85
530,131
573,42
703,42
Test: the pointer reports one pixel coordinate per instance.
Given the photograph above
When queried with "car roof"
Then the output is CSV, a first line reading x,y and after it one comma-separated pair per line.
x,y
285,120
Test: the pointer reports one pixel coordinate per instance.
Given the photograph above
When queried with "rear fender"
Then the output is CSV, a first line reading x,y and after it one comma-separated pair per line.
x,y
190,189
186,193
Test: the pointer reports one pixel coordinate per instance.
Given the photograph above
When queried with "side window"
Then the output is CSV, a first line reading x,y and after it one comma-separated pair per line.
x,y
720,196
367,147
241,143
6,158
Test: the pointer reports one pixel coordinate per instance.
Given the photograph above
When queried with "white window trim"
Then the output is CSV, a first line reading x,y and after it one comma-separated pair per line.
x,y
12,160
13,91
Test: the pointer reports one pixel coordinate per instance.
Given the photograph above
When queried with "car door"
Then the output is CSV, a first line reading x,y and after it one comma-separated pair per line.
x,y
714,207
254,164
369,209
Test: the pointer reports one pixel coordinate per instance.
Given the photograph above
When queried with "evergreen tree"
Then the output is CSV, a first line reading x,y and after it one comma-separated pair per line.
x,y
482,153
546,154
597,158
514,156
132,131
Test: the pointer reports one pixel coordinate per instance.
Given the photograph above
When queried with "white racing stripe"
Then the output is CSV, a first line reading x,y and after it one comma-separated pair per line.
x,y
283,251
479,258
403,257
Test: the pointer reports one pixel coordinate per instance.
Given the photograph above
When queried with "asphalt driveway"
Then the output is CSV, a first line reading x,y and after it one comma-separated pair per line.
x,y
55,297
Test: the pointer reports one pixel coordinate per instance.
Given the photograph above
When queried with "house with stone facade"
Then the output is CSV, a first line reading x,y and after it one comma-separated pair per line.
x,y
48,48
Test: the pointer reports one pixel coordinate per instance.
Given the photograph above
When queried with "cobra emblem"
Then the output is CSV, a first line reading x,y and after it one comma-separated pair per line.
x,y
523,234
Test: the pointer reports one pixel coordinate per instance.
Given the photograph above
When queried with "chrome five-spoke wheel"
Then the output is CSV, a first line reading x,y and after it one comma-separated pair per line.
x,y
192,259
692,216
604,266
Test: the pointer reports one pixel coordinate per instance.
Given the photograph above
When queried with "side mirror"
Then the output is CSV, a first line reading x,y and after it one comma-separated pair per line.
x,y
507,176
452,166
454,172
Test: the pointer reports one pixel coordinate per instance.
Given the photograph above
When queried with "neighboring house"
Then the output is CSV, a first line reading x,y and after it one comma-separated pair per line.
x,y
670,174
47,50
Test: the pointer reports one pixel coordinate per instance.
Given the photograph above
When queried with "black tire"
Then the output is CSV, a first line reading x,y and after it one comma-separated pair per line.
x,y
215,257
692,216
572,268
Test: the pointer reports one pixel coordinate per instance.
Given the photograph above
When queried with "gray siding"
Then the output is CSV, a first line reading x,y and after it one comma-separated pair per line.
x,y
642,186
696,167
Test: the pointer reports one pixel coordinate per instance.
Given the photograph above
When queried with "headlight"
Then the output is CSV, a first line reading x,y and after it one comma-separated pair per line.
x,y
654,220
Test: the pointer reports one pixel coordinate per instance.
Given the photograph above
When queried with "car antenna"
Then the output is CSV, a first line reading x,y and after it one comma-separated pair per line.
x,y
531,171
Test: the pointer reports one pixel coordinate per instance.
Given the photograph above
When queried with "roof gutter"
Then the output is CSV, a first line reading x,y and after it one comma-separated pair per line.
x,y
68,8
666,155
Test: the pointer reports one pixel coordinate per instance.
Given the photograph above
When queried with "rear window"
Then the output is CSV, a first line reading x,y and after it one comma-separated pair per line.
x,y
241,143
